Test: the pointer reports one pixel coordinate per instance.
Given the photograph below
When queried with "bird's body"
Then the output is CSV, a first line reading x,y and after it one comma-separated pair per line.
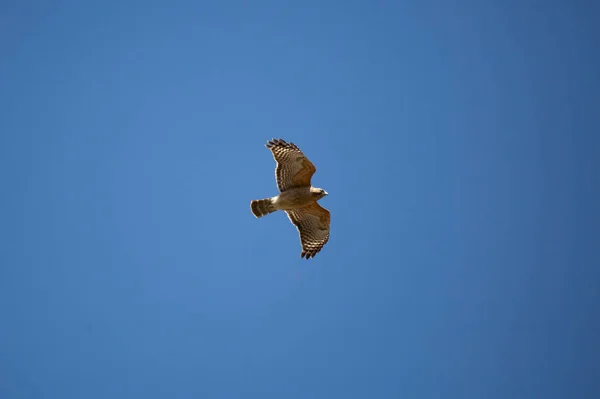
x,y
297,197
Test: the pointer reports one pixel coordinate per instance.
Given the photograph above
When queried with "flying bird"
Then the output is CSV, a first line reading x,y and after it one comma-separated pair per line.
x,y
297,197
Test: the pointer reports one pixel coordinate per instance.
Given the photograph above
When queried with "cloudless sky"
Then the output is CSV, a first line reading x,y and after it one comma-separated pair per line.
x,y
459,145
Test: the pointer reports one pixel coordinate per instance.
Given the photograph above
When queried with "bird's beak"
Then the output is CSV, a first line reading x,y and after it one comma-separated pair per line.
x,y
326,193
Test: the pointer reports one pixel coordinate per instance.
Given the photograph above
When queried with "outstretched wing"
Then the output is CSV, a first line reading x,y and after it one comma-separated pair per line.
x,y
312,222
293,167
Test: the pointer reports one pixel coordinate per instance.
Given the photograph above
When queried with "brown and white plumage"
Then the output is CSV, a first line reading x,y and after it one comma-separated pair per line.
x,y
293,167
297,197
312,222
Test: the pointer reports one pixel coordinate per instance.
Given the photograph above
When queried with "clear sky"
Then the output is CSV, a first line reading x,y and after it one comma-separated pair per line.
x,y
459,145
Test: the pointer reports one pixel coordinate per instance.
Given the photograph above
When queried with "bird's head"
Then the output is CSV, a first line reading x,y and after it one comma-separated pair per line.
x,y
318,192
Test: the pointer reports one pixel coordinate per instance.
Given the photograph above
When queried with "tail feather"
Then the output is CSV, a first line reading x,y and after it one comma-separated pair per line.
x,y
262,207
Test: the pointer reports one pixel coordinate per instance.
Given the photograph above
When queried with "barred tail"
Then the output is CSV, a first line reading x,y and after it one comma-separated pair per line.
x,y
262,207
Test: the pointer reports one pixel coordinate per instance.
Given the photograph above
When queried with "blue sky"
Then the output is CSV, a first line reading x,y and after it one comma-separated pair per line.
x,y
459,146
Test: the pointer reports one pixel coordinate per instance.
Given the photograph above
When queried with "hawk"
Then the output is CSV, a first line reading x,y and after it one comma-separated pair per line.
x,y
297,197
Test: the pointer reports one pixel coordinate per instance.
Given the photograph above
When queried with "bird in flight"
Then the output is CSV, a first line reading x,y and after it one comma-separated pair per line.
x,y
297,197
